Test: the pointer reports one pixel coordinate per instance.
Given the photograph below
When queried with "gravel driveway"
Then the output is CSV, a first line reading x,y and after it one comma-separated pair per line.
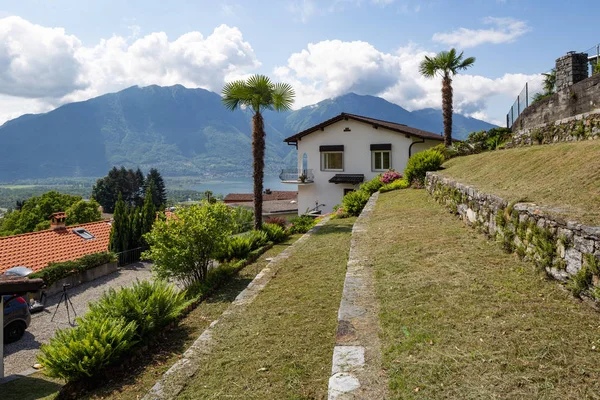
x,y
20,356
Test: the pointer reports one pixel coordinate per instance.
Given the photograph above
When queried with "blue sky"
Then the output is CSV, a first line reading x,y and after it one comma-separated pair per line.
x,y
323,47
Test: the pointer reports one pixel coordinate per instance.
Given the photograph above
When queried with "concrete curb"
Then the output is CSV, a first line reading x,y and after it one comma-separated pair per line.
x,y
355,367
168,387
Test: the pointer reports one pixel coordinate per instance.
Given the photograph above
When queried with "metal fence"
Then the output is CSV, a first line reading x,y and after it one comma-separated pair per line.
x,y
532,88
130,256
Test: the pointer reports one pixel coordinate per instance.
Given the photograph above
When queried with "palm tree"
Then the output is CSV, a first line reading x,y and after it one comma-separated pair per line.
x,y
259,94
446,64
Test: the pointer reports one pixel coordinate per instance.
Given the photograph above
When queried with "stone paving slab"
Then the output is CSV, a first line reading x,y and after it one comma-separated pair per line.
x,y
173,381
356,368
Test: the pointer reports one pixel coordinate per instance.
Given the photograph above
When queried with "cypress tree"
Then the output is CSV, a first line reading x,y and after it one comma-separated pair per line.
x,y
136,228
159,192
148,212
119,226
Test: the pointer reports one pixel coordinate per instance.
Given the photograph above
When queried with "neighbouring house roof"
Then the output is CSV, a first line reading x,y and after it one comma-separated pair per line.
x,y
347,178
274,195
376,123
36,249
272,206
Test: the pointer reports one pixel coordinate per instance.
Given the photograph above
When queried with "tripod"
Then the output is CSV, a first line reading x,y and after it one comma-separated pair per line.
x,y
64,297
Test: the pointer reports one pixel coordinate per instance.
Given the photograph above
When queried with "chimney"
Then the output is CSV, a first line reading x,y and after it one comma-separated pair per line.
x,y
57,221
267,191
570,69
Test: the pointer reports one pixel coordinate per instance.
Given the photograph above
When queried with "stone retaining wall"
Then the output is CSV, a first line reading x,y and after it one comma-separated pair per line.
x,y
580,127
566,250
78,278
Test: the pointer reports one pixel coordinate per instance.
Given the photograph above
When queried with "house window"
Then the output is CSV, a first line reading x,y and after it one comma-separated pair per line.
x,y
332,161
381,160
83,233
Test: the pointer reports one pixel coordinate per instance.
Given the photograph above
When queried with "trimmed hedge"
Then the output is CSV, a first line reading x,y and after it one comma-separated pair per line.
x,y
397,184
419,164
59,270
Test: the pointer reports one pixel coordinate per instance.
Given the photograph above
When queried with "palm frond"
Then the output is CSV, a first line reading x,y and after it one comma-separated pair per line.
x,y
235,94
283,96
467,62
428,67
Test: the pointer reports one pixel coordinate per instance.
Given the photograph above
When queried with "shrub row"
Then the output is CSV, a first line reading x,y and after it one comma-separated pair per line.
x,y
114,324
59,270
301,224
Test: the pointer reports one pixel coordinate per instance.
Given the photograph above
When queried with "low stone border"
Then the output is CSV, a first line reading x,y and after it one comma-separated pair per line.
x,y
355,371
78,278
168,387
562,248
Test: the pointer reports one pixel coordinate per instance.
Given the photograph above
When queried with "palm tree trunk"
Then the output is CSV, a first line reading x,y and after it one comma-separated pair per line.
x,y
258,165
447,110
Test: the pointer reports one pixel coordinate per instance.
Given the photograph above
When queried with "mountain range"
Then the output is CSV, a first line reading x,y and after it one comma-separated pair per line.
x,y
180,131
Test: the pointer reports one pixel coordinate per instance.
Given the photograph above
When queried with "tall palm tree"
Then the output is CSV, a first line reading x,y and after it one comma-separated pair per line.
x,y
259,94
446,64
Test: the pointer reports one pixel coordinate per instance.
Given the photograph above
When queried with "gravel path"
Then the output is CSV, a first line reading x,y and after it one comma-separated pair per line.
x,y
20,356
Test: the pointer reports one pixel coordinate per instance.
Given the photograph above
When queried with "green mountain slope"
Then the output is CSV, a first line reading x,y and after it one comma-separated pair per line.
x,y
180,131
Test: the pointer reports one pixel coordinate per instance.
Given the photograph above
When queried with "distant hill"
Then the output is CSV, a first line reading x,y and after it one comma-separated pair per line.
x,y
180,131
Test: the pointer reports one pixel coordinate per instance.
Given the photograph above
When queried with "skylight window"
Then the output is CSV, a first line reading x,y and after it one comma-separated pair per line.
x,y
83,233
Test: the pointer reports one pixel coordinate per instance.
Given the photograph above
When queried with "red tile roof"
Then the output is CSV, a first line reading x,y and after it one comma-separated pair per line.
x,y
36,249
274,195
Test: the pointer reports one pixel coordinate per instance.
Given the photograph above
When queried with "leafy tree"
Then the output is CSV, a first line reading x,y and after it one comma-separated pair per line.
x,y
83,212
120,226
259,94
35,213
549,86
182,248
155,182
446,64
127,182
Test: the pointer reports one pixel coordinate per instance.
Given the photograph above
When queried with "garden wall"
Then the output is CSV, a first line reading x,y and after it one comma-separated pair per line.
x,y
562,248
78,278
571,114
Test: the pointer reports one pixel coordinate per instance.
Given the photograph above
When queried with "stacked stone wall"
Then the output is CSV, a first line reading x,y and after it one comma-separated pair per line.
x,y
566,250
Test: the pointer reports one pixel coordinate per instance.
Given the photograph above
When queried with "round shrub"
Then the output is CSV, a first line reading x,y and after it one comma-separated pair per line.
x,y
373,185
81,352
275,233
419,164
389,177
354,202
301,224
282,222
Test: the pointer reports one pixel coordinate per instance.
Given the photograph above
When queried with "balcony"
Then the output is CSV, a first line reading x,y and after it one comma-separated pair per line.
x,y
297,176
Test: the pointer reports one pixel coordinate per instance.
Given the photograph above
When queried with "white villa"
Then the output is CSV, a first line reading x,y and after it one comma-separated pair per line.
x,y
336,156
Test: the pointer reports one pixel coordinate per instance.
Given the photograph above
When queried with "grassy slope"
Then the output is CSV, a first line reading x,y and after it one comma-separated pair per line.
x,y
564,176
462,319
150,368
281,347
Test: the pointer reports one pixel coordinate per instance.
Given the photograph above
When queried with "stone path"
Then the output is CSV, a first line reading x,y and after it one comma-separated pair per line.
x,y
356,369
174,380
20,356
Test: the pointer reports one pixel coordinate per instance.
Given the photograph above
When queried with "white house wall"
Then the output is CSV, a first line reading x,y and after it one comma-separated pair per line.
x,y
357,158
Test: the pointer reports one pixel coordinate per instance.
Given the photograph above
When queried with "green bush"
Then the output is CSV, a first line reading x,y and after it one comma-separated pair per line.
x,y
301,224
258,239
73,354
397,184
282,222
243,219
354,202
372,186
419,164
59,270
151,305
275,233
238,247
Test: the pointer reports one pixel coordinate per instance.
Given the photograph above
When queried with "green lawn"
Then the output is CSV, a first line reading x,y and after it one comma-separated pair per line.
x,y
137,381
282,345
565,176
461,319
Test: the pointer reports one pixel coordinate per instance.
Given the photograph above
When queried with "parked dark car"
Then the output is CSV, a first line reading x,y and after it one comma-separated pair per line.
x,y
16,318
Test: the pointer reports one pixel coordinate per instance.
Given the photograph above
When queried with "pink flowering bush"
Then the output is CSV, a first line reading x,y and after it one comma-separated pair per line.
x,y
390,176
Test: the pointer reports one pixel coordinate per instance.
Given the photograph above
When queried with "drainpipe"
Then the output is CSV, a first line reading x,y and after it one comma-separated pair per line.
x,y
411,145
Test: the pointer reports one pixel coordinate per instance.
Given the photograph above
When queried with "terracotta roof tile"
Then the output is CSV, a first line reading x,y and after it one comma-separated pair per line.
x,y
36,249
274,195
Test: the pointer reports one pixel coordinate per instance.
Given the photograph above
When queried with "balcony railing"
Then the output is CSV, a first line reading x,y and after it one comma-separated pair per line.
x,y
297,176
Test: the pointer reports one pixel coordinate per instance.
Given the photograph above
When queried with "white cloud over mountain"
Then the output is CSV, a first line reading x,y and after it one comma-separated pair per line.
x,y
45,67
502,30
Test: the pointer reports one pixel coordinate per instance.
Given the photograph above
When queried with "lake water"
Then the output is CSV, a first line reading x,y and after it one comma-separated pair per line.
x,y
239,185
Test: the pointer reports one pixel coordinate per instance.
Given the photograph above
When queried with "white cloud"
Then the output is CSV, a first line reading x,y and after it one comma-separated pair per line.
x,y
331,68
503,30
51,67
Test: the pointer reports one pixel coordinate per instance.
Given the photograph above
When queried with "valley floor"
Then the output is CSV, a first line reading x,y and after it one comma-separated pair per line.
x,y
462,319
